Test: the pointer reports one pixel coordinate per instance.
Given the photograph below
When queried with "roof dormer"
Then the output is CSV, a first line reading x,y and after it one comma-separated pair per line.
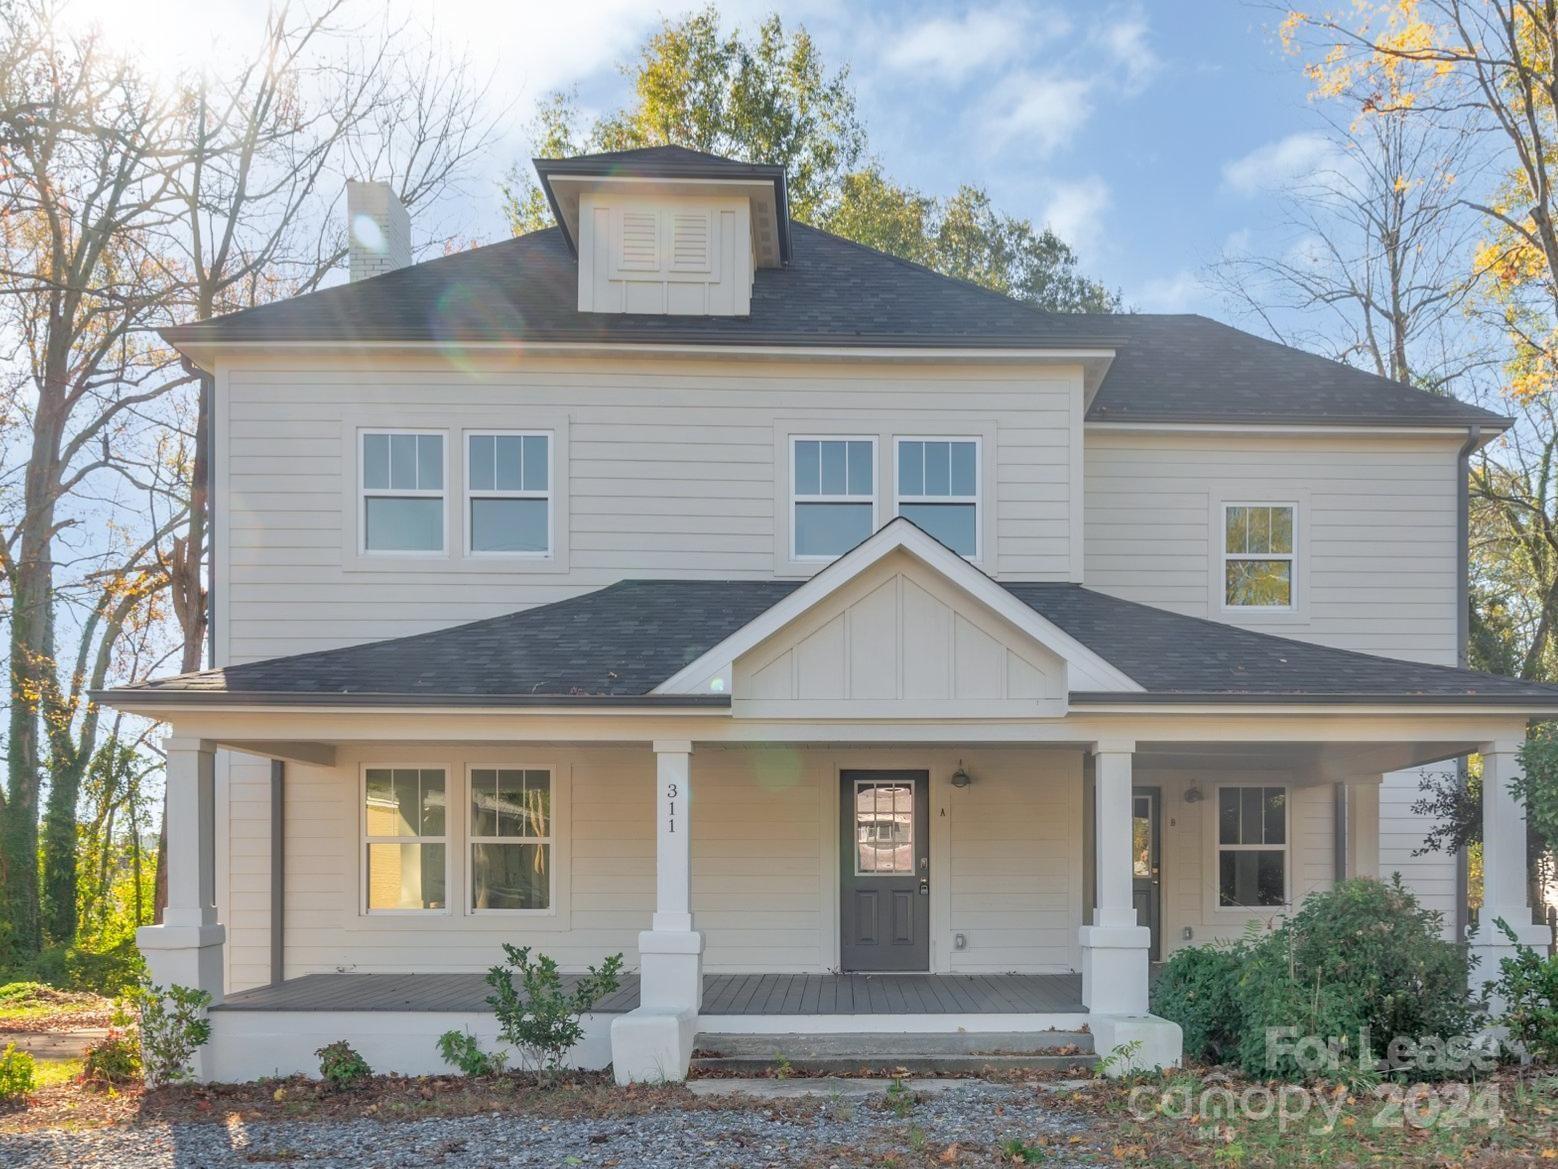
x,y
667,230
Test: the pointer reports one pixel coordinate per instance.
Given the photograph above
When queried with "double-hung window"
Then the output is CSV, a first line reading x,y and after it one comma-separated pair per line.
x,y
833,500
1252,845
511,838
938,488
402,491
406,838
509,493
1258,556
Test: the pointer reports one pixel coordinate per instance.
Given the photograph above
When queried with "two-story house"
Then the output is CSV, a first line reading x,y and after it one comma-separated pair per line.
x,y
854,649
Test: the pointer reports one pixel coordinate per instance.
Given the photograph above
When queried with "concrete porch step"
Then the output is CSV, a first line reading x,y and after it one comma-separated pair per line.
x,y
960,1051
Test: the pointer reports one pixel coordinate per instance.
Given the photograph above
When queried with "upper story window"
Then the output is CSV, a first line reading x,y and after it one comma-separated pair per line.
x,y
1252,846
938,488
833,495
1258,555
509,493
402,491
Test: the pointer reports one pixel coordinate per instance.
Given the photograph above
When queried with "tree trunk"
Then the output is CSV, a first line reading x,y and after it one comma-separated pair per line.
x,y
59,855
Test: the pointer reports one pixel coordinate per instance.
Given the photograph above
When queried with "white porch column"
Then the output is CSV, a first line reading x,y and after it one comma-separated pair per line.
x,y
671,951
1114,947
186,949
1504,890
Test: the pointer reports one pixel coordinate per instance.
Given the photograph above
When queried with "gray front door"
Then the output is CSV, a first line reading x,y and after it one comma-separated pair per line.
x,y
884,870
1147,862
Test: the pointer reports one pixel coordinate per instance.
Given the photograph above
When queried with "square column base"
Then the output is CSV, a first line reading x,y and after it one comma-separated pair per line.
x,y
1114,968
671,970
1160,1044
652,1046
184,955
1489,945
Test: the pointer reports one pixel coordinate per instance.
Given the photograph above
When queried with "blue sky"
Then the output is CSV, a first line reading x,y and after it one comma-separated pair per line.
x,y
1149,134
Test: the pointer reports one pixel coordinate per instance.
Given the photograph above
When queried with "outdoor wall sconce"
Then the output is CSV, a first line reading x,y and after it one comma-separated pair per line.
x,y
1193,794
961,778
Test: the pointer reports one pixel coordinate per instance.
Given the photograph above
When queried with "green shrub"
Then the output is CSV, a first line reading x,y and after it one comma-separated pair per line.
x,y
18,1074
173,1025
1528,986
539,1020
463,1050
1361,961
341,1067
1198,989
113,1059
108,972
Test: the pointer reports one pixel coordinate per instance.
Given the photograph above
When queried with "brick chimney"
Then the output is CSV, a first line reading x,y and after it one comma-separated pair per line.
x,y
379,230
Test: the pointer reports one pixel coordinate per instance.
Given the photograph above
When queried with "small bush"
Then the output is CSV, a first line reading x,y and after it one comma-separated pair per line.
x,y
1362,959
1528,986
173,1026
113,1059
538,1019
18,1074
108,972
463,1050
341,1067
1198,989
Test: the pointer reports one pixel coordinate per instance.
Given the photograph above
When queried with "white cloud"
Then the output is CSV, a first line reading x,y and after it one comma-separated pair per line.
x,y
1278,163
1178,292
955,48
1040,112
1124,38
1075,211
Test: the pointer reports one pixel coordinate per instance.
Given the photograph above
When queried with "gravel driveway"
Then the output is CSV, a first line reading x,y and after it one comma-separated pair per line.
x,y
976,1116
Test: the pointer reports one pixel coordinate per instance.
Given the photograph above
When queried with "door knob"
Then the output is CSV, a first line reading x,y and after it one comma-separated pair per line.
x,y
924,888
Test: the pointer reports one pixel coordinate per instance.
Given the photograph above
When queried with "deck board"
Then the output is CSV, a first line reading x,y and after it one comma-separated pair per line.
x,y
723,994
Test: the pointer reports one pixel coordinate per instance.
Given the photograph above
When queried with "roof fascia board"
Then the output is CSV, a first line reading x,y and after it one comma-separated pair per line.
x,y
1449,429
1069,355
898,534
1102,702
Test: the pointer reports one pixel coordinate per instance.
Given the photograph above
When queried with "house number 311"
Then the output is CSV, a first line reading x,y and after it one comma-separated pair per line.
x,y
671,792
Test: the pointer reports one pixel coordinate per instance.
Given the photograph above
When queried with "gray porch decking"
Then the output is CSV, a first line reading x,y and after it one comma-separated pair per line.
x,y
723,994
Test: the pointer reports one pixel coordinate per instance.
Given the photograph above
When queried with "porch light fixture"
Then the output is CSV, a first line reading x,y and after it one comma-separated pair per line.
x,y
1193,794
961,778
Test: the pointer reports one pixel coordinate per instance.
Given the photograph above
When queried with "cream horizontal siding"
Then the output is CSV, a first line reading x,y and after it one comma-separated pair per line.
x,y
670,472
1016,857
1377,530
765,857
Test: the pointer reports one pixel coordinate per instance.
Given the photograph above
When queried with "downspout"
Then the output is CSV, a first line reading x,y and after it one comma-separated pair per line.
x,y
1462,646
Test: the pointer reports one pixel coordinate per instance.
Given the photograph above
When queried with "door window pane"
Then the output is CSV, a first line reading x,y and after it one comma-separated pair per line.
x,y
884,828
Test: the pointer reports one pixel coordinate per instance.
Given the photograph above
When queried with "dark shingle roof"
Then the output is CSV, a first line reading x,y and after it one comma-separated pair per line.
x,y
656,161
622,641
838,293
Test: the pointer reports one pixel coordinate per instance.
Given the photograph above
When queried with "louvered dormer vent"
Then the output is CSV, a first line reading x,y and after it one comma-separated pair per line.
x,y
687,256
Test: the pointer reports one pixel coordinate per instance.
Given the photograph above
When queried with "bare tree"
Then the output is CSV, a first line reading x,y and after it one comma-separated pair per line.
x,y
1373,266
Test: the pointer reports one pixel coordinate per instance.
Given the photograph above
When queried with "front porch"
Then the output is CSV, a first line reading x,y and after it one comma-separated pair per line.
x,y
734,995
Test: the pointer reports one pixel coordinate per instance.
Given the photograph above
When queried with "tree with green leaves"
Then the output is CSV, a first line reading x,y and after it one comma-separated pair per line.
x,y
771,99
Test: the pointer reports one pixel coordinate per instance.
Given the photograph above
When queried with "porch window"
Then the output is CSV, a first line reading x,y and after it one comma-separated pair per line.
x,y
833,500
508,480
938,488
405,824
1258,555
402,491
1252,836
511,839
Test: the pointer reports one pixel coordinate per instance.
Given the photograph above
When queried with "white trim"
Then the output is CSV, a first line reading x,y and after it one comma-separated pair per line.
x,y
469,494
847,497
364,493
448,839
1428,430
977,499
925,1024
1091,672
470,840
1216,848
1291,556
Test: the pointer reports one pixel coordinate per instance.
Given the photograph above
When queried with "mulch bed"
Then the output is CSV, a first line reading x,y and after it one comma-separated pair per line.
x,y
390,1098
